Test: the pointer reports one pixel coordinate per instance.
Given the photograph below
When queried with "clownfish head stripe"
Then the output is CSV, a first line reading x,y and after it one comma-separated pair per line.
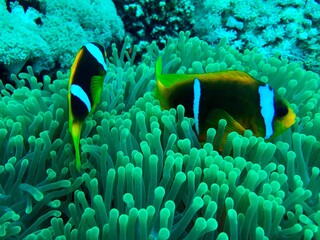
x,y
78,92
96,52
267,108
196,103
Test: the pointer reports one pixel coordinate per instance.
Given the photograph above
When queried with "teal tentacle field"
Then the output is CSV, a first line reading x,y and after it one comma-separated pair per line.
x,y
145,173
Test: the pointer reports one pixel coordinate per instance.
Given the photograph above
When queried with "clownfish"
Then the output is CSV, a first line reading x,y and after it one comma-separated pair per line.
x,y
84,89
244,102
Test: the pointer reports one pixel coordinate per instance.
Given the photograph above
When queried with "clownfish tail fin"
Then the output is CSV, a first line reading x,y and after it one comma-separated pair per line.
x,y
75,133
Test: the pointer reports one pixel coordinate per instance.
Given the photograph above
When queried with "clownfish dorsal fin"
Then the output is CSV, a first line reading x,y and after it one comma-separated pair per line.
x,y
96,89
232,125
158,67
169,80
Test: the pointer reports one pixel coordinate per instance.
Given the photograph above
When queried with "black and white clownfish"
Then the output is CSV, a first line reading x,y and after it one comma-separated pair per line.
x,y
84,89
244,102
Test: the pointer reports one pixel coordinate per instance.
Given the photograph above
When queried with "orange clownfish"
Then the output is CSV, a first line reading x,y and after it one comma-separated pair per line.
x,y
244,102
84,89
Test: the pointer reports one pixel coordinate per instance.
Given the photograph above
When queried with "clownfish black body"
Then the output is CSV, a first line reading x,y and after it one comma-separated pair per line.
x,y
244,102
84,89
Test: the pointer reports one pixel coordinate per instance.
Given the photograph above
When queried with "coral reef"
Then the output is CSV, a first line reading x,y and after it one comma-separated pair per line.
x,y
155,20
144,174
50,36
288,28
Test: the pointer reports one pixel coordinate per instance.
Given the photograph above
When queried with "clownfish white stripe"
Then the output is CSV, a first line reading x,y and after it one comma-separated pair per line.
x,y
196,103
95,51
77,91
267,108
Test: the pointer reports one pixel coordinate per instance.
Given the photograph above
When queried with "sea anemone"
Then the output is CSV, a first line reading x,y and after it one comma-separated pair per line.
x,y
144,174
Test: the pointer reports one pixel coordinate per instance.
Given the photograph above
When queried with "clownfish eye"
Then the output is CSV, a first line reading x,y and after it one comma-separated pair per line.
x,y
281,111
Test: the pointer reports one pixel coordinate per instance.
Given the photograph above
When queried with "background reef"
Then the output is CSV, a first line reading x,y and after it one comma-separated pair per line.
x,y
144,173
288,28
49,33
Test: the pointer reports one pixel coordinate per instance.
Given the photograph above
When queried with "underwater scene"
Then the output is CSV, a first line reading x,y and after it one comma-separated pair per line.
x,y
157,119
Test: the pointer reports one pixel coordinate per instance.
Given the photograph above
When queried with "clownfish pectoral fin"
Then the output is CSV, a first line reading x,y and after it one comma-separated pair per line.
x,y
96,89
75,133
232,125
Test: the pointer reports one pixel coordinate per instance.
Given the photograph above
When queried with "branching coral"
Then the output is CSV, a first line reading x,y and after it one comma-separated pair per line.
x,y
144,173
